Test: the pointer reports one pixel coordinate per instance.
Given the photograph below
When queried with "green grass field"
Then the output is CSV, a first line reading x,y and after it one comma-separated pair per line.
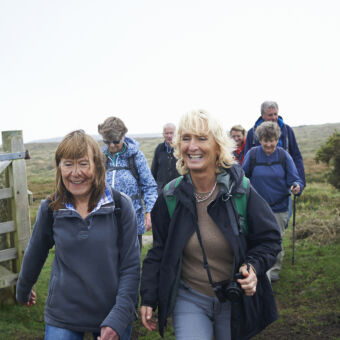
x,y
308,292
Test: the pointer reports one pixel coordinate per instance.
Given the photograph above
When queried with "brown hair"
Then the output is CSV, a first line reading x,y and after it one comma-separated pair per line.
x,y
113,128
75,145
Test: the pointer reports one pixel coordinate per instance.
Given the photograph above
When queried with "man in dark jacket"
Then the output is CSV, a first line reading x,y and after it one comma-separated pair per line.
x,y
163,166
269,112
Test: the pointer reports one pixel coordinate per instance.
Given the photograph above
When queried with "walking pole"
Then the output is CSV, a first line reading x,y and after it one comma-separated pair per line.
x,y
293,236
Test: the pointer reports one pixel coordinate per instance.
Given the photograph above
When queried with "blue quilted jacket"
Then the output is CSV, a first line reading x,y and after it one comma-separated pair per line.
x,y
123,180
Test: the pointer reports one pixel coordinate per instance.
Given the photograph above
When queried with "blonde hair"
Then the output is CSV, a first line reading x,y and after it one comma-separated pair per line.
x,y
239,128
201,122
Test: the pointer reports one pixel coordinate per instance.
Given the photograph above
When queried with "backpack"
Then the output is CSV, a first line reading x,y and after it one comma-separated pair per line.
x,y
240,200
253,163
282,161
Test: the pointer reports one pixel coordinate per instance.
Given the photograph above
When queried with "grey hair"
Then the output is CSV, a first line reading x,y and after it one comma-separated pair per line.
x,y
169,125
268,105
268,130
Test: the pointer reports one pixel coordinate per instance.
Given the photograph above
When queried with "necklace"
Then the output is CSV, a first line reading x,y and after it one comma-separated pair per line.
x,y
203,196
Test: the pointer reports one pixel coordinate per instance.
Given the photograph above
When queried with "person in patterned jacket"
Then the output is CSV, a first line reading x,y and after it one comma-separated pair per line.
x,y
127,171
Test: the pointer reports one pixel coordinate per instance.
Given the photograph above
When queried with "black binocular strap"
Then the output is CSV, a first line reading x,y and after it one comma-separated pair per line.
x,y
205,260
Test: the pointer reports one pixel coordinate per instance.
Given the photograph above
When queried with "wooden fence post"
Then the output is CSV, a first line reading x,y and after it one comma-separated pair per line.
x,y
12,141
18,211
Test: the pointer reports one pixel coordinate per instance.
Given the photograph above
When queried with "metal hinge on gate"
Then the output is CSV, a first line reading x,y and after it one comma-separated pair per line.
x,y
14,155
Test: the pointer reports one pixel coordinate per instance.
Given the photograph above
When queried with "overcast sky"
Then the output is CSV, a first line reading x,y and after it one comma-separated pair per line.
x,y
69,64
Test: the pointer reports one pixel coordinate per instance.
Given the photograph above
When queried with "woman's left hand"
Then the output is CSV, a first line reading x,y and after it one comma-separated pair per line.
x,y
107,333
147,221
249,283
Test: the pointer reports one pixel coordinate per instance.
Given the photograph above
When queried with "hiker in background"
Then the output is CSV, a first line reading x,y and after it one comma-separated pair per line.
x,y
270,112
127,171
200,245
273,174
163,167
238,134
95,271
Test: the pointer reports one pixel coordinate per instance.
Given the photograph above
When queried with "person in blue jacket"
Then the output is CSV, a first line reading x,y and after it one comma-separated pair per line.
x,y
175,278
127,171
273,174
95,272
287,140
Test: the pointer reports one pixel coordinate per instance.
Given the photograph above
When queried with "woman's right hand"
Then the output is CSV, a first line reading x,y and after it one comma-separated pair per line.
x,y
146,315
32,299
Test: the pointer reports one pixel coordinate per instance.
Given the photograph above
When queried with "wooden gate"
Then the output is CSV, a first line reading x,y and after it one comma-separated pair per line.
x,y
15,223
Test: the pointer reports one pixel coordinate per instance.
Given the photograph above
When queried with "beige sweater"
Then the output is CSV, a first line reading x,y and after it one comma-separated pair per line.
x,y
218,250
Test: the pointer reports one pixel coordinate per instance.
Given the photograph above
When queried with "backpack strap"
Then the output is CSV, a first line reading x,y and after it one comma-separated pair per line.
x,y
117,197
253,163
132,167
168,193
240,201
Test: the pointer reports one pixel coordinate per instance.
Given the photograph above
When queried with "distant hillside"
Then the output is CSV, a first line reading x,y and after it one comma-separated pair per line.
x,y
310,137
98,137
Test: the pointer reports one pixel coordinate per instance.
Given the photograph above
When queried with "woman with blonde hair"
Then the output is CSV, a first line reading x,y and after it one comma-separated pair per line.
x,y
200,252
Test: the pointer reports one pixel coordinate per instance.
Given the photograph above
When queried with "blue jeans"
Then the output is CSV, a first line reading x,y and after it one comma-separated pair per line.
x,y
200,317
56,333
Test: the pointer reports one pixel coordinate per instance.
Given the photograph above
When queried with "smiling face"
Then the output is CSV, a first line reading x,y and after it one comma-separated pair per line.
x,y
199,152
268,145
116,147
78,176
270,114
238,137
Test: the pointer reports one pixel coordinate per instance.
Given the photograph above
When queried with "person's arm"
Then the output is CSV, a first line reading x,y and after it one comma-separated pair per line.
x,y
246,164
293,180
154,164
263,238
152,263
147,182
147,221
40,243
295,153
123,311
249,141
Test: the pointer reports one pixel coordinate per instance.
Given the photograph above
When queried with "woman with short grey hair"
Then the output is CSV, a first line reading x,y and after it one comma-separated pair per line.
x,y
273,174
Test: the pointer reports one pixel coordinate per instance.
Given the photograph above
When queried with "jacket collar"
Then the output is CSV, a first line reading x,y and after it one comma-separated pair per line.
x,y
229,181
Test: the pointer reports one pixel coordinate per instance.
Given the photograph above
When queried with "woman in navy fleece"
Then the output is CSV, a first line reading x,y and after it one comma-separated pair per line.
x,y
95,271
273,174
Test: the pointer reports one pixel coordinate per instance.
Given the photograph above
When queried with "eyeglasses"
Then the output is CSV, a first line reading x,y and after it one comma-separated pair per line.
x,y
108,142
